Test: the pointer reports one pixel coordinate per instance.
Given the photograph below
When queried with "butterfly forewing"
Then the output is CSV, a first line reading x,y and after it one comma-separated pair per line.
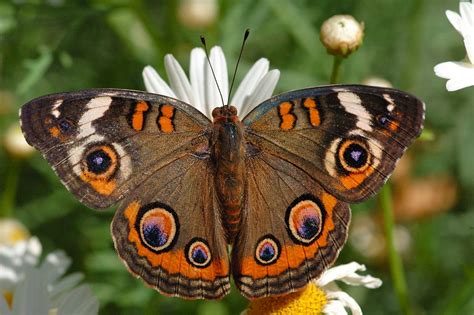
x,y
348,137
102,142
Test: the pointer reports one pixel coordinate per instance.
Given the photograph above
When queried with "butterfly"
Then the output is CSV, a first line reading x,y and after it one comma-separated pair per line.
x,y
275,184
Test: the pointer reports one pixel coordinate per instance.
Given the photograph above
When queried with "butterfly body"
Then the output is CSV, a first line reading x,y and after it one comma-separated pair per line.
x,y
276,184
229,157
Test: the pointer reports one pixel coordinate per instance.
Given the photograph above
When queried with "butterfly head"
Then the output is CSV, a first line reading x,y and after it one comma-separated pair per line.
x,y
226,113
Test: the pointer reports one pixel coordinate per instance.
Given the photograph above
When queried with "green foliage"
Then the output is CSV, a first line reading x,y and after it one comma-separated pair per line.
x,y
57,45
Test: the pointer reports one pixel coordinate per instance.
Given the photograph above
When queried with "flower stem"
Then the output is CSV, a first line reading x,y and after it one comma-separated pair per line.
x,y
336,66
396,266
11,184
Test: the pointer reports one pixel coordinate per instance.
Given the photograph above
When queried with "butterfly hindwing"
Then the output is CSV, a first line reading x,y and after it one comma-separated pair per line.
x,y
102,142
291,230
347,137
170,234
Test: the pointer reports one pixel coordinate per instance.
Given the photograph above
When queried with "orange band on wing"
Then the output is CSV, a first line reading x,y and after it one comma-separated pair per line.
x,y
165,118
173,261
138,117
314,116
292,256
355,179
102,186
288,119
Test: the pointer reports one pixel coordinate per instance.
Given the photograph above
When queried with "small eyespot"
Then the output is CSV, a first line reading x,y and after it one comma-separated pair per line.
x,y
353,155
65,125
383,120
267,250
198,253
157,225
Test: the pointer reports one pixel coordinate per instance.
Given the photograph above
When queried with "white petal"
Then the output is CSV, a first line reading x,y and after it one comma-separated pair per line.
x,y
249,83
339,272
454,69
457,84
346,300
367,281
213,97
334,307
196,74
179,81
155,84
455,20
467,14
262,92
469,44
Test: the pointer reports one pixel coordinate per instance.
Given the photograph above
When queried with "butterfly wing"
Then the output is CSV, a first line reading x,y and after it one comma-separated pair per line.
x,y
152,152
347,137
102,142
291,229
308,153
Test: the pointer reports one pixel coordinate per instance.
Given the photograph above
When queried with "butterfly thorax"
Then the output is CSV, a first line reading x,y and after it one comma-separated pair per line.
x,y
228,154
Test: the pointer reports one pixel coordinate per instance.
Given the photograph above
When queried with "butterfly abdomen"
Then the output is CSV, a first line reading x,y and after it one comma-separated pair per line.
x,y
228,154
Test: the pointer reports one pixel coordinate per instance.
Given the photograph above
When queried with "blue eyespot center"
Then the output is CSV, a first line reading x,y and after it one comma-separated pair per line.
x,y
98,161
154,235
267,252
355,155
309,227
199,255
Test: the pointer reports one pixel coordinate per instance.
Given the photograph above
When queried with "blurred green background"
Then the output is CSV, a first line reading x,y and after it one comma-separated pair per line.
x,y
58,45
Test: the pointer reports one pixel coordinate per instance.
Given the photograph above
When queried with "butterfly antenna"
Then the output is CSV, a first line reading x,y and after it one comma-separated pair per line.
x,y
203,41
246,35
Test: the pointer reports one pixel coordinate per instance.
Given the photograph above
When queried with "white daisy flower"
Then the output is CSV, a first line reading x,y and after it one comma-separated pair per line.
x,y
322,296
460,74
201,91
338,300
26,288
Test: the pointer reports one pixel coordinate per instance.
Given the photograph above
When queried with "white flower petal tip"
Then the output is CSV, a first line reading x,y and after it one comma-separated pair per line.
x,y
155,84
460,74
201,89
348,274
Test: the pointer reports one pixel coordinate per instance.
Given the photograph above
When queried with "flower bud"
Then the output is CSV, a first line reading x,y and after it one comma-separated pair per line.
x,y
12,231
197,13
15,144
342,35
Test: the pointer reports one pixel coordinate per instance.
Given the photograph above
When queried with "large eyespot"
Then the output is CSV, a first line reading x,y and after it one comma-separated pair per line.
x,y
158,226
100,161
267,250
353,155
305,219
198,253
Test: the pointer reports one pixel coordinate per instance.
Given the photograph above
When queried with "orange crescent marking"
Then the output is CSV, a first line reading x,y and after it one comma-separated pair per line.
x,y
292,256
173,262
101,185
355,179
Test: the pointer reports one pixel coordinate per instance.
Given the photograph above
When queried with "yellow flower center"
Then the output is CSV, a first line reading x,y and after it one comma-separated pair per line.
x,y
310,300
